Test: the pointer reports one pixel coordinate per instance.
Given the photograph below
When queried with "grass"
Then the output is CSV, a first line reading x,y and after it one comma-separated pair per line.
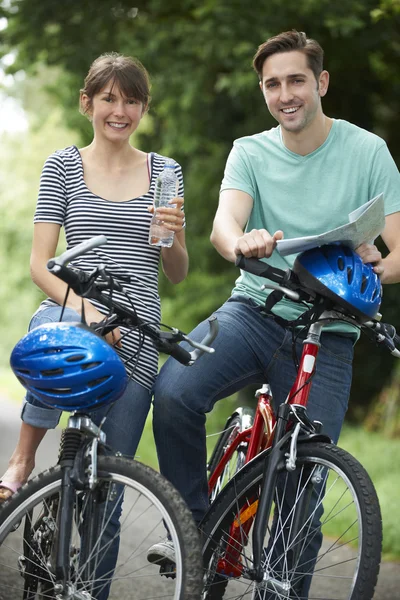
x,y
378,455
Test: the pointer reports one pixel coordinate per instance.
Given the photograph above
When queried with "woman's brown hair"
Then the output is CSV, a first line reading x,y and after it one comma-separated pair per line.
x,y
127,73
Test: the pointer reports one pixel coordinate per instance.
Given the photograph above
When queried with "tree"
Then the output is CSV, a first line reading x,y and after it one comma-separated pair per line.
x,y
205,93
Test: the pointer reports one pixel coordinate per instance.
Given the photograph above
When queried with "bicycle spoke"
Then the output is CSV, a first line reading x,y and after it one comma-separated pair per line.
x,y
314,537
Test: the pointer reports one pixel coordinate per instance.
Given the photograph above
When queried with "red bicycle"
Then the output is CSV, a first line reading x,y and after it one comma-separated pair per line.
x,y
292,515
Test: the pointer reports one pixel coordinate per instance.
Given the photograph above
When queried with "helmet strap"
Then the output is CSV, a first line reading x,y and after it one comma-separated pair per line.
x,y
83,316
64,303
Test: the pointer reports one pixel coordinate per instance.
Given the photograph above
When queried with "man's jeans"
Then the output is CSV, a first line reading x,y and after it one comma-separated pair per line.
x,y
123,426
250,348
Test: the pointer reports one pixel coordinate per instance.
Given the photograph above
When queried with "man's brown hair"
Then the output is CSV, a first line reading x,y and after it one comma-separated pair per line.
x,y
287,42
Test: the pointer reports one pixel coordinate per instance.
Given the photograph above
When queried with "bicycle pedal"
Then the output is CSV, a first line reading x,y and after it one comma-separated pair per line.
x,y
168,569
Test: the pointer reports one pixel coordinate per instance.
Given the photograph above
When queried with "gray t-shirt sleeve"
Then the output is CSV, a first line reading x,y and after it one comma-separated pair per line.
x,y
238,173
52,198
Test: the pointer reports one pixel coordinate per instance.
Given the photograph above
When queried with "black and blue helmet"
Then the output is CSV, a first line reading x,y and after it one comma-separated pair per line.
x,y
338,273
68,366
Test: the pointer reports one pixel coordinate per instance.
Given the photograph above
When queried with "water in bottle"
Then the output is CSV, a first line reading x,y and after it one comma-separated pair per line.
x,y
166,189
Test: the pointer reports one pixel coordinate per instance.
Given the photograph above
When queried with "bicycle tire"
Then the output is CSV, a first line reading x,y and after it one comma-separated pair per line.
x,y
149,501
241,419
349,498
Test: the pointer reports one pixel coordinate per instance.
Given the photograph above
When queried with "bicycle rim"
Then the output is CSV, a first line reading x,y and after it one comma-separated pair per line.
x,y
343,554
28,530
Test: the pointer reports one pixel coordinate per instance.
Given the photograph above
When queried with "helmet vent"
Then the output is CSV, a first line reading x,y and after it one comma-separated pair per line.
x,y
95,382
364,284
107,393
50,372
90,365
75,358
349,274
59,391
340,263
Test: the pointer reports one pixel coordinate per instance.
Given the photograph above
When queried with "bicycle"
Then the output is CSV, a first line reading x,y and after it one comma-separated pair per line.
x,y
55,531
278,486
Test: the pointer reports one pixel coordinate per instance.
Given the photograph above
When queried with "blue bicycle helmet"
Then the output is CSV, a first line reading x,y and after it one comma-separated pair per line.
x,y
338,273
68,366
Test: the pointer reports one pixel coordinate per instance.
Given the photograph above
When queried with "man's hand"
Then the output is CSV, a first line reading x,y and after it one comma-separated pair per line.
x,y
257,243
370,254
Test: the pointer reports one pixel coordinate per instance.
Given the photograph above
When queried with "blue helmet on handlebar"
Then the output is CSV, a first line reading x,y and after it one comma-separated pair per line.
x,y
68,366
338,273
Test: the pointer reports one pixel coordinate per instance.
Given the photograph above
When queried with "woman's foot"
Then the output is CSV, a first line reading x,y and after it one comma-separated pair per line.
x,y
16,475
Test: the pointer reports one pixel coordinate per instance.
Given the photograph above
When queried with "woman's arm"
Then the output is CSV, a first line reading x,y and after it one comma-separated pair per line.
x,y
44,245
174,260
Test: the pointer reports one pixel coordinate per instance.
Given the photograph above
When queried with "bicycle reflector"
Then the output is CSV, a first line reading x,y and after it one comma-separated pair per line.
x,y
338,273
68,366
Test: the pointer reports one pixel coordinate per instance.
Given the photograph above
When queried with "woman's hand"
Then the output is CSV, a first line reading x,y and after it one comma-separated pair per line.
x,y
173,218
92,315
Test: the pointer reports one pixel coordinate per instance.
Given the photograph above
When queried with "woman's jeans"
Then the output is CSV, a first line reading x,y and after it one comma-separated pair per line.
x,y
123,426
250,348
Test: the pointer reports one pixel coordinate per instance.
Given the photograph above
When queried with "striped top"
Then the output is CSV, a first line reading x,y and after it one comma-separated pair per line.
x,y
65,199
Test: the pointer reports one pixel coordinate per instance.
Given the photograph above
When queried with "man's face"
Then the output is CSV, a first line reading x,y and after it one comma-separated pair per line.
x,y
292,94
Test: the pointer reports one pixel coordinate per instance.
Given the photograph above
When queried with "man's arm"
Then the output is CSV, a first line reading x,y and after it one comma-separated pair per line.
x,y
228,235
389,267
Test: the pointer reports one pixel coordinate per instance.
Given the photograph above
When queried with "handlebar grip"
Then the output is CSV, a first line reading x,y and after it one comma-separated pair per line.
x,y
260,268
81,248
73,278
180,354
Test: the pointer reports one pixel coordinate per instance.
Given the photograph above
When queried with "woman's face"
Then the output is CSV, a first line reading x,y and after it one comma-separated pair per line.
x,y
114,116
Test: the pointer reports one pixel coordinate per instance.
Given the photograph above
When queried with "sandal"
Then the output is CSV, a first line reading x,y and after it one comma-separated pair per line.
x,y
11,486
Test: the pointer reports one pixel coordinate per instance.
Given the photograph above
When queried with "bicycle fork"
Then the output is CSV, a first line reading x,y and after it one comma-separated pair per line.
x,y
270,477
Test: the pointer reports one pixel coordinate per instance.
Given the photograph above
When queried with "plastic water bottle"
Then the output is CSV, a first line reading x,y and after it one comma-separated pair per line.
x,y
166,189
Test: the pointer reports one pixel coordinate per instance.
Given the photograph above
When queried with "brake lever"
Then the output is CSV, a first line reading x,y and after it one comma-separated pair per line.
x,y
105,326
198,345
289,293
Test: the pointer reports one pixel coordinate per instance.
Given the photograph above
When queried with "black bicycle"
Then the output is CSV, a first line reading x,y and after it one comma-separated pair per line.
x,y
55,531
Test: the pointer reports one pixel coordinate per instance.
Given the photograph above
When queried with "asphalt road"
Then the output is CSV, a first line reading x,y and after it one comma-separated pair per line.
x,y
388,587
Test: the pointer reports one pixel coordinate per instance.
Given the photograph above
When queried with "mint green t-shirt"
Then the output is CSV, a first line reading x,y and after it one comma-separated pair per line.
x,y
308,195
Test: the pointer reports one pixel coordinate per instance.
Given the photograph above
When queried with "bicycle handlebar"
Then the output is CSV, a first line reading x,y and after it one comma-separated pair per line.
x,y
83,284
260,268
78,250
385,335
289,286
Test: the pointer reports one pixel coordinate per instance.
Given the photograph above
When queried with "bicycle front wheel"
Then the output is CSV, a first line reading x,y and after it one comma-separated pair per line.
x,y
130,508
323,538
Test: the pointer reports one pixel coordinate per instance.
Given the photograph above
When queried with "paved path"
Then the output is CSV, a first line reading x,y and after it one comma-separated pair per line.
x,y
389,580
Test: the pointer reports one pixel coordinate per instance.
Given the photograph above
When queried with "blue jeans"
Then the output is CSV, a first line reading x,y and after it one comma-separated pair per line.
x,y
123,428
249,349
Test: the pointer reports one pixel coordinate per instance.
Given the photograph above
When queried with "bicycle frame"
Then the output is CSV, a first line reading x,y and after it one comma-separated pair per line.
x,y
269,432
257,436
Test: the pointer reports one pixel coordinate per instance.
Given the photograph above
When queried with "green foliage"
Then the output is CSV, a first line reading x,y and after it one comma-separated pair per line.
x,y
205,95
373,451
21,160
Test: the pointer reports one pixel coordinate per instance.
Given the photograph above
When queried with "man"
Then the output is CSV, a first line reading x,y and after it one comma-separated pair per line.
x,y
302,177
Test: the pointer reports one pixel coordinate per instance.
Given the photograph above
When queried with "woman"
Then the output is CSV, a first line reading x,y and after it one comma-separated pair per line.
x,y
105,188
